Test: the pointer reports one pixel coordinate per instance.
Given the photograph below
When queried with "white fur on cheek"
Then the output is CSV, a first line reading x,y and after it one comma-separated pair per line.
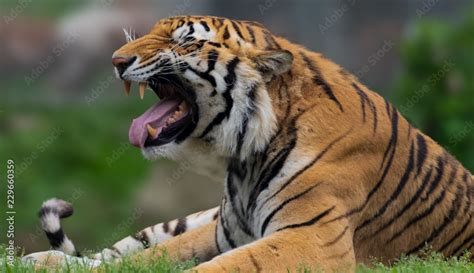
x,y
201,157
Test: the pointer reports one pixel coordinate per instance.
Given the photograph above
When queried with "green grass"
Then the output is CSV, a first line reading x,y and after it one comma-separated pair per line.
x,y
161,264
431,263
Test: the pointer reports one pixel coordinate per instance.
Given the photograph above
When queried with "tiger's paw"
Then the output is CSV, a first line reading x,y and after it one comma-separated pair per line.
x,y
58,259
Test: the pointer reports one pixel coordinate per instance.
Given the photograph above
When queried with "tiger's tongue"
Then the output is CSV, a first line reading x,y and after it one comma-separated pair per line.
x,y
155,116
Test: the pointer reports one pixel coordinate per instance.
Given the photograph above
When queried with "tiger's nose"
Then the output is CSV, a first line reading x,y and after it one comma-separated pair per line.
x,y
122,63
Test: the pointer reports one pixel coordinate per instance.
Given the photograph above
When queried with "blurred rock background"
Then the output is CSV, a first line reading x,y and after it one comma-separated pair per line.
x,y
64,118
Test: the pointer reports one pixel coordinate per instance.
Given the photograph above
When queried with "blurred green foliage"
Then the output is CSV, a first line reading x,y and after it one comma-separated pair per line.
x,y
75,151
436,88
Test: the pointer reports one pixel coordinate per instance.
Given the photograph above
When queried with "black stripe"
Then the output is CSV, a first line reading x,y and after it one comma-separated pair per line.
x,y
248,115
180,227
252,34
206,76
226,34
117,251
439,175
318,80
166,227
191,28
212,57
55,238
401,185
392,142
374,111
254,262
143,238
229,79
238,168
271,171
456,236
466,241
465,176
281,206
216,239
453,213
310,222
338,237
227,237
232,192
410,203
237,29
388,108
394,135
419,217
422,151
214,44
241,134
309,165
204,24
424,214
362,100
271,43
390,147
410,129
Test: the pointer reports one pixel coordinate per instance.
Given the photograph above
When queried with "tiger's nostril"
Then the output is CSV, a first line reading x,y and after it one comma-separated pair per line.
x,y
122,63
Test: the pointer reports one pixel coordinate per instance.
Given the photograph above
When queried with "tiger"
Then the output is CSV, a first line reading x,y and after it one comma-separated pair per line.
x,y
320,171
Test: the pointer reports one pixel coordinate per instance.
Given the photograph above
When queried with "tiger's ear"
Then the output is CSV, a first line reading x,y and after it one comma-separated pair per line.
x,y
273,62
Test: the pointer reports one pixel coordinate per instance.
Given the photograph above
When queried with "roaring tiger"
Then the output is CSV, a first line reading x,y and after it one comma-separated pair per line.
x,y
320,171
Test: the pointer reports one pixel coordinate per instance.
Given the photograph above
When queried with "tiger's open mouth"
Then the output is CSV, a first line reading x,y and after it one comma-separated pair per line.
x,y
172,118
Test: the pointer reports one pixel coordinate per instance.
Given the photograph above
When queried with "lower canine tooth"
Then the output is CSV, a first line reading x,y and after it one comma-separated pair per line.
x,y
152,132
127,85
141,89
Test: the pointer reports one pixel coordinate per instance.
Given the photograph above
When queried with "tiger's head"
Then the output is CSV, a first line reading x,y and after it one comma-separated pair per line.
x,y
210,75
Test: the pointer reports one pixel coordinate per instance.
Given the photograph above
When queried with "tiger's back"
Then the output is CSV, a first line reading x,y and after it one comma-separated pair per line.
x,y
400,190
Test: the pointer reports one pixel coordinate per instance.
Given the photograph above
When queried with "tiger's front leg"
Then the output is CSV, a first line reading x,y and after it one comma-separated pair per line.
x,y
290,250
327,247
